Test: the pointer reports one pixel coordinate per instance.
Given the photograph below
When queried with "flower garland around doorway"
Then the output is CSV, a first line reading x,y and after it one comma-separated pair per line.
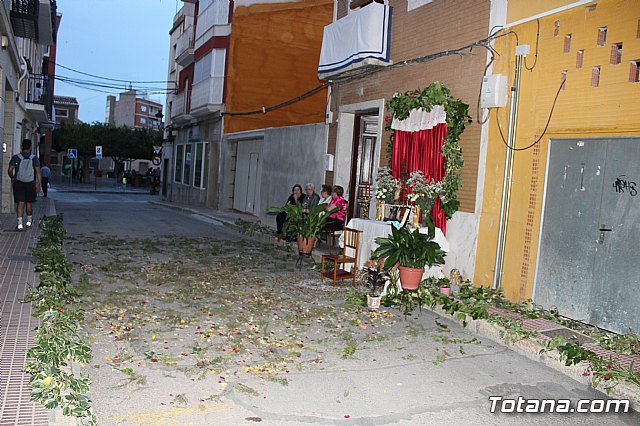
x,y
458,117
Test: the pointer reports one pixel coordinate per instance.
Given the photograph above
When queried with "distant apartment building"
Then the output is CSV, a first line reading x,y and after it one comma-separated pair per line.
x,y
133,111
27,65
66,109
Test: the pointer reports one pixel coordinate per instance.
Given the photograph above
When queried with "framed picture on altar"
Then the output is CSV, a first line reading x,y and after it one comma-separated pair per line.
x,y
397,212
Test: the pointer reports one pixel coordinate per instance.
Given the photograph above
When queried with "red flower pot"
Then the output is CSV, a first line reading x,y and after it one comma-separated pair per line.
x,y
410,278
305,245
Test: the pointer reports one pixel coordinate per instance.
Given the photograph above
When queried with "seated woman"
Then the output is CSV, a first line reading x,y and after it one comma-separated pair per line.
x,y
294,198
310,199
336,220
325,194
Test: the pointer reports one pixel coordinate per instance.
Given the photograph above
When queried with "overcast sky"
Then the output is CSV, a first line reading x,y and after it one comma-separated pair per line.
x,y
119,39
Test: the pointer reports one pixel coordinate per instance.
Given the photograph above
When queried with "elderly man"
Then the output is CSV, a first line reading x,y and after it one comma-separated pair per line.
x,y
310,198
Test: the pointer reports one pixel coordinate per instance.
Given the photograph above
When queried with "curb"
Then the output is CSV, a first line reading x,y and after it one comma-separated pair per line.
x,y
531,349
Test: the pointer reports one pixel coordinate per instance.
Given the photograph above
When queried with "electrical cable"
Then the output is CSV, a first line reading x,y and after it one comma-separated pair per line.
x,y
264,110
536,55
513,148
105,85
110,79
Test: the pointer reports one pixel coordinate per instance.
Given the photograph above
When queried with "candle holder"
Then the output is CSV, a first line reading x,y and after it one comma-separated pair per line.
x,y
364,201
378,209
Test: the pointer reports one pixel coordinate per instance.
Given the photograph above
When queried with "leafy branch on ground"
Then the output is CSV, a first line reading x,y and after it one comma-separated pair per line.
x,y
59,341
475,302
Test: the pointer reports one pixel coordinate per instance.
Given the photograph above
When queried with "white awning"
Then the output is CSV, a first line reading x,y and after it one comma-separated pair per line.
x,y
363,34
420,119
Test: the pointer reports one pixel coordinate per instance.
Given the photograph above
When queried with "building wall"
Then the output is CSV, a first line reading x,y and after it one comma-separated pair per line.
x,y
417,33
524,9
273,56
125,108
581,111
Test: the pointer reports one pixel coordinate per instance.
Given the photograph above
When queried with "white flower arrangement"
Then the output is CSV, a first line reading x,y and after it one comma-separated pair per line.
x,y
386,185
424,192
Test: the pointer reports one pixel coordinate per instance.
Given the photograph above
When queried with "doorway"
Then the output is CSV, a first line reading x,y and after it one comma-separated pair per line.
x,y
362,163
590,233
165,170
246,192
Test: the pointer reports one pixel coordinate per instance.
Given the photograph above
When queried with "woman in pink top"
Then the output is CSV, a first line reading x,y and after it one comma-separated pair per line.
x,y
336,220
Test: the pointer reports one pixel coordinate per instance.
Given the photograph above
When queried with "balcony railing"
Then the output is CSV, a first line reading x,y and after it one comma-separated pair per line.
x,y
206,96
34,19
359,39
216,14
178,105
184,47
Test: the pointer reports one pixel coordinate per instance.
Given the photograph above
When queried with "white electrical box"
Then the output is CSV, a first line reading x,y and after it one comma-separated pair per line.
x,y
327,162
495,91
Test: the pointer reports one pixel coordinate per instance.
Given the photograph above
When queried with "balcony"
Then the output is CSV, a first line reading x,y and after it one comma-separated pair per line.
x,y
206,97
34,20
360,39
184,47
216,15
179,109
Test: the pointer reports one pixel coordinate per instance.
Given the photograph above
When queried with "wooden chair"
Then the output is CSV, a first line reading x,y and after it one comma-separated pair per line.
x,y
351,241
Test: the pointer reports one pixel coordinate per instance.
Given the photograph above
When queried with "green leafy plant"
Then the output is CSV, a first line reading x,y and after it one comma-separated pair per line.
x,y
306,225
374,276
411,249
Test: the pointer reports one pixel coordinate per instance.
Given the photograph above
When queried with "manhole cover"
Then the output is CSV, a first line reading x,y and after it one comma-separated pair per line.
x,y
569,335
22,258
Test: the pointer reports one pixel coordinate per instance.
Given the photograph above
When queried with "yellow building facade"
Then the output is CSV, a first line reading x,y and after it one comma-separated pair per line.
x,y
595,48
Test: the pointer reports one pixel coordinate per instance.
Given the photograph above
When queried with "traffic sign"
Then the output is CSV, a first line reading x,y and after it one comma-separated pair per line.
x,y
157,149
98,152
72,153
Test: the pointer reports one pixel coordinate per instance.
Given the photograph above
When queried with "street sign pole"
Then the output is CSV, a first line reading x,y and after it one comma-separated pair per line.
x,y
95,169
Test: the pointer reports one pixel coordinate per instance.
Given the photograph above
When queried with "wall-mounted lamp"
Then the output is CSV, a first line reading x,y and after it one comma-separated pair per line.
x,y
4,41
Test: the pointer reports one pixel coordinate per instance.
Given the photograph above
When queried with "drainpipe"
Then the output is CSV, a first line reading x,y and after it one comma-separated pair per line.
x,y
508,176
22,76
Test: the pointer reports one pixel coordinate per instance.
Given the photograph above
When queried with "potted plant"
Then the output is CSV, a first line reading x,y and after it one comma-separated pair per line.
x,y
306,226
411,250
445,287
375,277
386,187
423,194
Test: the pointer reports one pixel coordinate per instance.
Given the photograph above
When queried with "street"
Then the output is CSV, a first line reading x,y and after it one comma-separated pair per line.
x,y
192,322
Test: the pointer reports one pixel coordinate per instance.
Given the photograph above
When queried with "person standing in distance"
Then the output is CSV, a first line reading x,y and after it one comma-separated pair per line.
x,y
24,171
46,175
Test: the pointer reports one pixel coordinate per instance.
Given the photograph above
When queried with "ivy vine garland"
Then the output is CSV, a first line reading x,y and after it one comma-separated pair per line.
x,y
458,117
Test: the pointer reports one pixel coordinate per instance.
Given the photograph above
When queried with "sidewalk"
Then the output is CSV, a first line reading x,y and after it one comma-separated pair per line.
x,y
17,325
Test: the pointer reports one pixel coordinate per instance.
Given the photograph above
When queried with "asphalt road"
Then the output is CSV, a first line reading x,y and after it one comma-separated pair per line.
x,y
132,216
373,388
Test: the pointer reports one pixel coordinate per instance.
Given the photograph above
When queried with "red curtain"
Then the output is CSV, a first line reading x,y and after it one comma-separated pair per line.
x,y
422,150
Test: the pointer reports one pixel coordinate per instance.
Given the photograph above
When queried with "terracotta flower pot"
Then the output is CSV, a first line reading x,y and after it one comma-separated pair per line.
x,y
446,291
305,245
410,278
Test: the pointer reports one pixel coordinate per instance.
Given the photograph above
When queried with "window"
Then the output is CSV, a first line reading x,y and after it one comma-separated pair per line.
x,y
634,71
179,161
602,36
567,43
595,76
579,59
563,80
62,112
638,31
616,54
556,28
198,171
210,65
186,175
143,108
143,120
